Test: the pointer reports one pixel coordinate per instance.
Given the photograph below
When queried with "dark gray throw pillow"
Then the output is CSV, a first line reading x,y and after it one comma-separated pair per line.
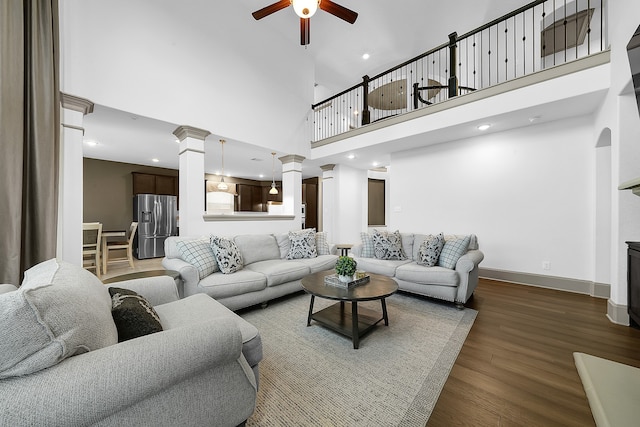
x,y
133,315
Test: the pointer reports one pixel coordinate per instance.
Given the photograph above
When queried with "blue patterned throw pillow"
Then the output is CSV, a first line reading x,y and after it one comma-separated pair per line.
x,y
388,245
227,254
303,244
198,253
430,250
452,251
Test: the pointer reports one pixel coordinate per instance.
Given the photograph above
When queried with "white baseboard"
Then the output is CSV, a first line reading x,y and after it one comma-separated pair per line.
x,y
594,289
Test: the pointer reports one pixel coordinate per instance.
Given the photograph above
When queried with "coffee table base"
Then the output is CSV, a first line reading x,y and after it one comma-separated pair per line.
x,y
351,321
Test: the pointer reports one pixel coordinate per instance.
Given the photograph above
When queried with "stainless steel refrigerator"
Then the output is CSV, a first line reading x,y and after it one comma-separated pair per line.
x,y
157,218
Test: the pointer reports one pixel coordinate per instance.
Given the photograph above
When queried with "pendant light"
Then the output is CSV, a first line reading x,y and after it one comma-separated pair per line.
x,y
273,190
222,185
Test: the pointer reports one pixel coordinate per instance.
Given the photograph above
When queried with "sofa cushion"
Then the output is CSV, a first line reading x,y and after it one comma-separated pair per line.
x,y
227,254
380,266
320,263
452,251
412,272
322,245
133,315
59,311
220,285
278,271
367,245
201,308
430,249
388,245
257,247
198,253
302,244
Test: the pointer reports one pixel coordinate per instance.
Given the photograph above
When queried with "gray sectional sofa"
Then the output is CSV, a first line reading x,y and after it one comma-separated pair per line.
x,y
454,285
61,363
266,274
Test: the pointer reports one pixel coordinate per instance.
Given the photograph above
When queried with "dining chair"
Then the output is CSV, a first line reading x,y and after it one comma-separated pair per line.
x,y
120,245
91,244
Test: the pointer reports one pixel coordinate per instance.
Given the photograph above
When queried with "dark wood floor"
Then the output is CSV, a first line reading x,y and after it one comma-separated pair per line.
x,y
516,367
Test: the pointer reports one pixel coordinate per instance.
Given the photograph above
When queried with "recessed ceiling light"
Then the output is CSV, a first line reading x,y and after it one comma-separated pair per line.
x,y
351,156
484,127
375,164
365,56
261,175
155,160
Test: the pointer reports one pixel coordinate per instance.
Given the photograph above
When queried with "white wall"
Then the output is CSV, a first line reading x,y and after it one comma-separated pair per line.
x,y
350,214
527,194
158,59
620,114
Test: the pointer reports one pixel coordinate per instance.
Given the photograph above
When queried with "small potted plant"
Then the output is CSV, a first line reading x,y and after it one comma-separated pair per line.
x,y
346,268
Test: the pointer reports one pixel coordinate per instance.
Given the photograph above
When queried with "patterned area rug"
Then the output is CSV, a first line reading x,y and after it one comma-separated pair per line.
x,y
312,376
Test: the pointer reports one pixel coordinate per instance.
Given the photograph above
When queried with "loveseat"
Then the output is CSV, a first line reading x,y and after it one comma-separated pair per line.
x,y
264,273
453,279
61,363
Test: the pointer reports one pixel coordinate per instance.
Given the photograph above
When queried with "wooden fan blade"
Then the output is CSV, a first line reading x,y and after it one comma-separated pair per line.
x,y
340,11
305,35
266,11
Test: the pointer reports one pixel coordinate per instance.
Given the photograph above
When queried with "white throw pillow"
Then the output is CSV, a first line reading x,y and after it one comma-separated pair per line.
x,y
227,254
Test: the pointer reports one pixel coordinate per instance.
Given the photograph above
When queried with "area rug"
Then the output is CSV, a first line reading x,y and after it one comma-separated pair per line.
x,y
312,376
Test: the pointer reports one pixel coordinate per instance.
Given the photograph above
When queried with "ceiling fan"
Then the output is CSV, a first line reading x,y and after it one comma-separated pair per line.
x,y
305,10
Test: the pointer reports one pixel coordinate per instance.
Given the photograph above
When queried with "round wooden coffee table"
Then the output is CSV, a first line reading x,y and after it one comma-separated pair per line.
x,y
349,321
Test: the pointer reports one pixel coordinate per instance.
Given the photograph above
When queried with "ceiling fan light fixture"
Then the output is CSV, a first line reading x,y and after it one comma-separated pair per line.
x,y
305,8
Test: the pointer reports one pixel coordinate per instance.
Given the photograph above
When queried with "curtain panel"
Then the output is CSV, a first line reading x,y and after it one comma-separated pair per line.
x,y
29,134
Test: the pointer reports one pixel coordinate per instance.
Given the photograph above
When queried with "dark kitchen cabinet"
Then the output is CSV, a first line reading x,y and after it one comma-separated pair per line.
x,y
146,183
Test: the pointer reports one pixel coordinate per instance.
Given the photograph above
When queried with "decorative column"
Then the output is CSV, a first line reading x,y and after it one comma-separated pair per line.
x,y
328,201
70,189
192,195
292,186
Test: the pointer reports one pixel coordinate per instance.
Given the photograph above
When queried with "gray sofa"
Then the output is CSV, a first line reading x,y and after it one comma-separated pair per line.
x,y
265,275
196,372
454,285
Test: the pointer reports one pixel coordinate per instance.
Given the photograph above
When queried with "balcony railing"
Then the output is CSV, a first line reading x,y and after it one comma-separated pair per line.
x,y
540,35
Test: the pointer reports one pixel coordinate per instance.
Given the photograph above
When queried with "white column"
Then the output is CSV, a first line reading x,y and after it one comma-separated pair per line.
x,y
191,195
328,201
70,198
292,186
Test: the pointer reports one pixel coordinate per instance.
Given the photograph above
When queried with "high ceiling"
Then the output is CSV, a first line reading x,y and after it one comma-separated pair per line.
x,y
389,31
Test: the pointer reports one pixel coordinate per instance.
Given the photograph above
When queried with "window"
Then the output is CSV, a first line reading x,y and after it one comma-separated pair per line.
x,y
376,202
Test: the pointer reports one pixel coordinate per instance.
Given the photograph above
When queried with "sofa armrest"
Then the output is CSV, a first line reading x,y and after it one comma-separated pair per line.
x,y
188,273
467,269
90,387
469,261
4,288
156,290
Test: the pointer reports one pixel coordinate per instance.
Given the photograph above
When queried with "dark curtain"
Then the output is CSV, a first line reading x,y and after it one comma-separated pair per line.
x,y
29,134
